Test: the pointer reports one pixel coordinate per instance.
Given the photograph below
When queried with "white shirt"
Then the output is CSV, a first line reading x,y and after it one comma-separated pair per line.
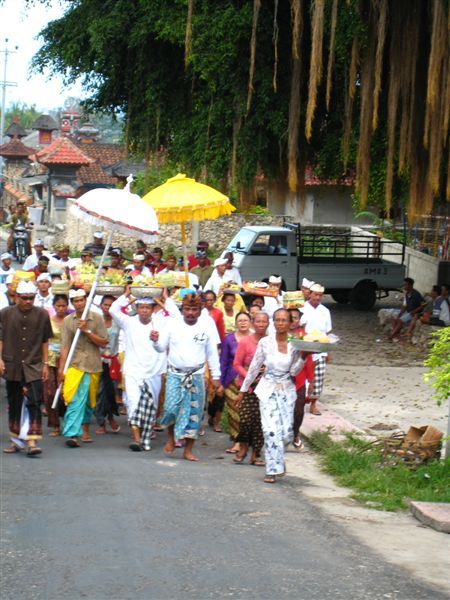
x,y
141,359
216,281
3,300
233,274
316,318
44,301
31,262
3,276
189,346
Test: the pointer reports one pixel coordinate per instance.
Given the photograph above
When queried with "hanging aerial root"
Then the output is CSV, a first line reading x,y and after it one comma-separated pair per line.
x,y
256,8
315,67
334,12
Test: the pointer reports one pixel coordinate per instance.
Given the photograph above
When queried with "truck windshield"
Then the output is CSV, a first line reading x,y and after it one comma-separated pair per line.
x,y
242,240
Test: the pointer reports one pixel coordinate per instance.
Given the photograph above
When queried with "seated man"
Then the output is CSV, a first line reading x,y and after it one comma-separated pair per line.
x,y
440,313
413,304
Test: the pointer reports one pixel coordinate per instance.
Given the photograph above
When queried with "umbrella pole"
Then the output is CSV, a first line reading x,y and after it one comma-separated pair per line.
x,y
90,298
185,261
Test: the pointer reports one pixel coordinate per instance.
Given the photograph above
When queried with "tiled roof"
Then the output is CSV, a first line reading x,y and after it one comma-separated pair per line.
x,y
103,155
63,152
45,122
19,196
15,149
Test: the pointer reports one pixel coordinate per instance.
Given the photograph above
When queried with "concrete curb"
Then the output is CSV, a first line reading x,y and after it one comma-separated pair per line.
x,y
329,420
433,514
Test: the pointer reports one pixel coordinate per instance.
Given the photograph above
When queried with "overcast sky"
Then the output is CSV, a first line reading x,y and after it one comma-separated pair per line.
x,y
21,27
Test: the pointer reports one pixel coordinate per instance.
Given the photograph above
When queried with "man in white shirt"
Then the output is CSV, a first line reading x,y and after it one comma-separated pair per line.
x,y
218,276
190,346
138,267
5,270
231,272
44,297
8,298
31,262
142,368
316,316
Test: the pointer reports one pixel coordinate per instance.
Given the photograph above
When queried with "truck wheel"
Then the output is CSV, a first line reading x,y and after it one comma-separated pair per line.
x,y
363,296
341,296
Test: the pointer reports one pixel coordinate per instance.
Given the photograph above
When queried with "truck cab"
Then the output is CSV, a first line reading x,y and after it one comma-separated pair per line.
x,y
262,251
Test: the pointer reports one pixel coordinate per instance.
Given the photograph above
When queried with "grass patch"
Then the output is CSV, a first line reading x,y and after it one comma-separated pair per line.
x,y
377,485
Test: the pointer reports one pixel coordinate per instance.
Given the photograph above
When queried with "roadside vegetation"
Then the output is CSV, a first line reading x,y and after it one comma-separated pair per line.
x,y
377,484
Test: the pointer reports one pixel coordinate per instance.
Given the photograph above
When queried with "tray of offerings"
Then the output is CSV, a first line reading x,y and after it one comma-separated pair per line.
x,y
315,342
146,291
104,289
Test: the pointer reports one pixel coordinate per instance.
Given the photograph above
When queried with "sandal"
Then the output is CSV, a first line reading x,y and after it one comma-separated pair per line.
x,y
11,449
298,444
269,479
231,451
218,429
33,451
135,447
54,433
238,460
72,443
258,462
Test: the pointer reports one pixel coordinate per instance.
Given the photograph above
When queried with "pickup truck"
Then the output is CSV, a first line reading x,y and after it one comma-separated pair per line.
x,y
353,268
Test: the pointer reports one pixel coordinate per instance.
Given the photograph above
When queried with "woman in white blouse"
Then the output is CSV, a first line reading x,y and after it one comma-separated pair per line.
x,y
276,391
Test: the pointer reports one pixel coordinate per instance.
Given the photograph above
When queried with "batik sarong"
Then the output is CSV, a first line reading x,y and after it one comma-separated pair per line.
x,y
277,426
144,416
184,403
232,410
250,431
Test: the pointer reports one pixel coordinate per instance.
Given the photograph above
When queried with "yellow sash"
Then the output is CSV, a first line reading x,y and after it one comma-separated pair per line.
x,y
72,381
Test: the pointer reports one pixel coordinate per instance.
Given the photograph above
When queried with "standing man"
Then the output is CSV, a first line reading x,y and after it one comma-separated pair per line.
x,y
202,246
83,375
138,267
203,270
5,269
218,276
190,346
8,298
32,260
44,297
142,368
316,316
96,246
24,333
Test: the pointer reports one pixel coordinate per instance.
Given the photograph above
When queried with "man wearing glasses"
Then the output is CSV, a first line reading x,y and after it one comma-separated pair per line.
x,y
24,333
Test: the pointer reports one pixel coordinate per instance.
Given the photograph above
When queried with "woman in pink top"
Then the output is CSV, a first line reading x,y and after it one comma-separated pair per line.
x,y
250,430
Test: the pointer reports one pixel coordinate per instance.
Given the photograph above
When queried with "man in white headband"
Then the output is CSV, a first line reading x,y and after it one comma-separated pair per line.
x,y
5,269
83,375
316,316
24,333
138,267
306,287
8,298
44,297
142,368
218,276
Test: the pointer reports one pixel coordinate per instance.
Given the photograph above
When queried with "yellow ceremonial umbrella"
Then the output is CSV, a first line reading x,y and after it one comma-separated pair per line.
x,y
182,199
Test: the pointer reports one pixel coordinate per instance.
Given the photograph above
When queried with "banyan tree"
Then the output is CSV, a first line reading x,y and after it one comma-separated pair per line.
x,y
235,87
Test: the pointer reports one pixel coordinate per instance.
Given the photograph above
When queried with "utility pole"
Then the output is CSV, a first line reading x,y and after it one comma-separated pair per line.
x,y
4,84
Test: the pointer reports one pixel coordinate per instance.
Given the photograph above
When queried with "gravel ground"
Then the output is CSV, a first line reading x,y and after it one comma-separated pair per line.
x,y
375,383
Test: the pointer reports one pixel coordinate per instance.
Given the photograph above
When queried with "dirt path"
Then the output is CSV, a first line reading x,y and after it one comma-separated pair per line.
x,y
373,382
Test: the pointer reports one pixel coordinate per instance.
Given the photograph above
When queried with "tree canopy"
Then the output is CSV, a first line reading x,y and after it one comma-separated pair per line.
x,y
230,87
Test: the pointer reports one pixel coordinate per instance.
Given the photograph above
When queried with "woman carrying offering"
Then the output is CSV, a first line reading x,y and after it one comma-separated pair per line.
x,y
230,311
250,432
275,391
61,307
229,388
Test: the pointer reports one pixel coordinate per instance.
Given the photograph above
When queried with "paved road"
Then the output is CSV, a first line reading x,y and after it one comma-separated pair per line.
x,y
104,523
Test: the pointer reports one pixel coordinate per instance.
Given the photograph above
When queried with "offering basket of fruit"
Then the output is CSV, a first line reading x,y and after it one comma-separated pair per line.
x,y
259,288
146,287
315,341
84,275
112,283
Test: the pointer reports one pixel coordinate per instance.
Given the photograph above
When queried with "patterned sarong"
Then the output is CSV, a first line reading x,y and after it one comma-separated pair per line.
x,y
144,415
184,402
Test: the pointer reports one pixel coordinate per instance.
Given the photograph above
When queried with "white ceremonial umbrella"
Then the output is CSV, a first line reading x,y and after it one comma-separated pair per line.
x,y
115,210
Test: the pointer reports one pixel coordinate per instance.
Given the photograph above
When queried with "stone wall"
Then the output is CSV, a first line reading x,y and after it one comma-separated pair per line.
x,y
218,233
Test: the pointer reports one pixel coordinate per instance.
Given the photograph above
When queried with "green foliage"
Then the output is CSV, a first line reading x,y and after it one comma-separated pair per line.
x,y
375,484
258,210
438,363
26,114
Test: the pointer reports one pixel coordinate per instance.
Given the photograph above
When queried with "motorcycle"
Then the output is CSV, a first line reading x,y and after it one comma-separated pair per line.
x,y
20,243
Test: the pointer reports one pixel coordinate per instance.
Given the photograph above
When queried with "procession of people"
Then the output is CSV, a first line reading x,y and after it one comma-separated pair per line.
x,y
205,353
